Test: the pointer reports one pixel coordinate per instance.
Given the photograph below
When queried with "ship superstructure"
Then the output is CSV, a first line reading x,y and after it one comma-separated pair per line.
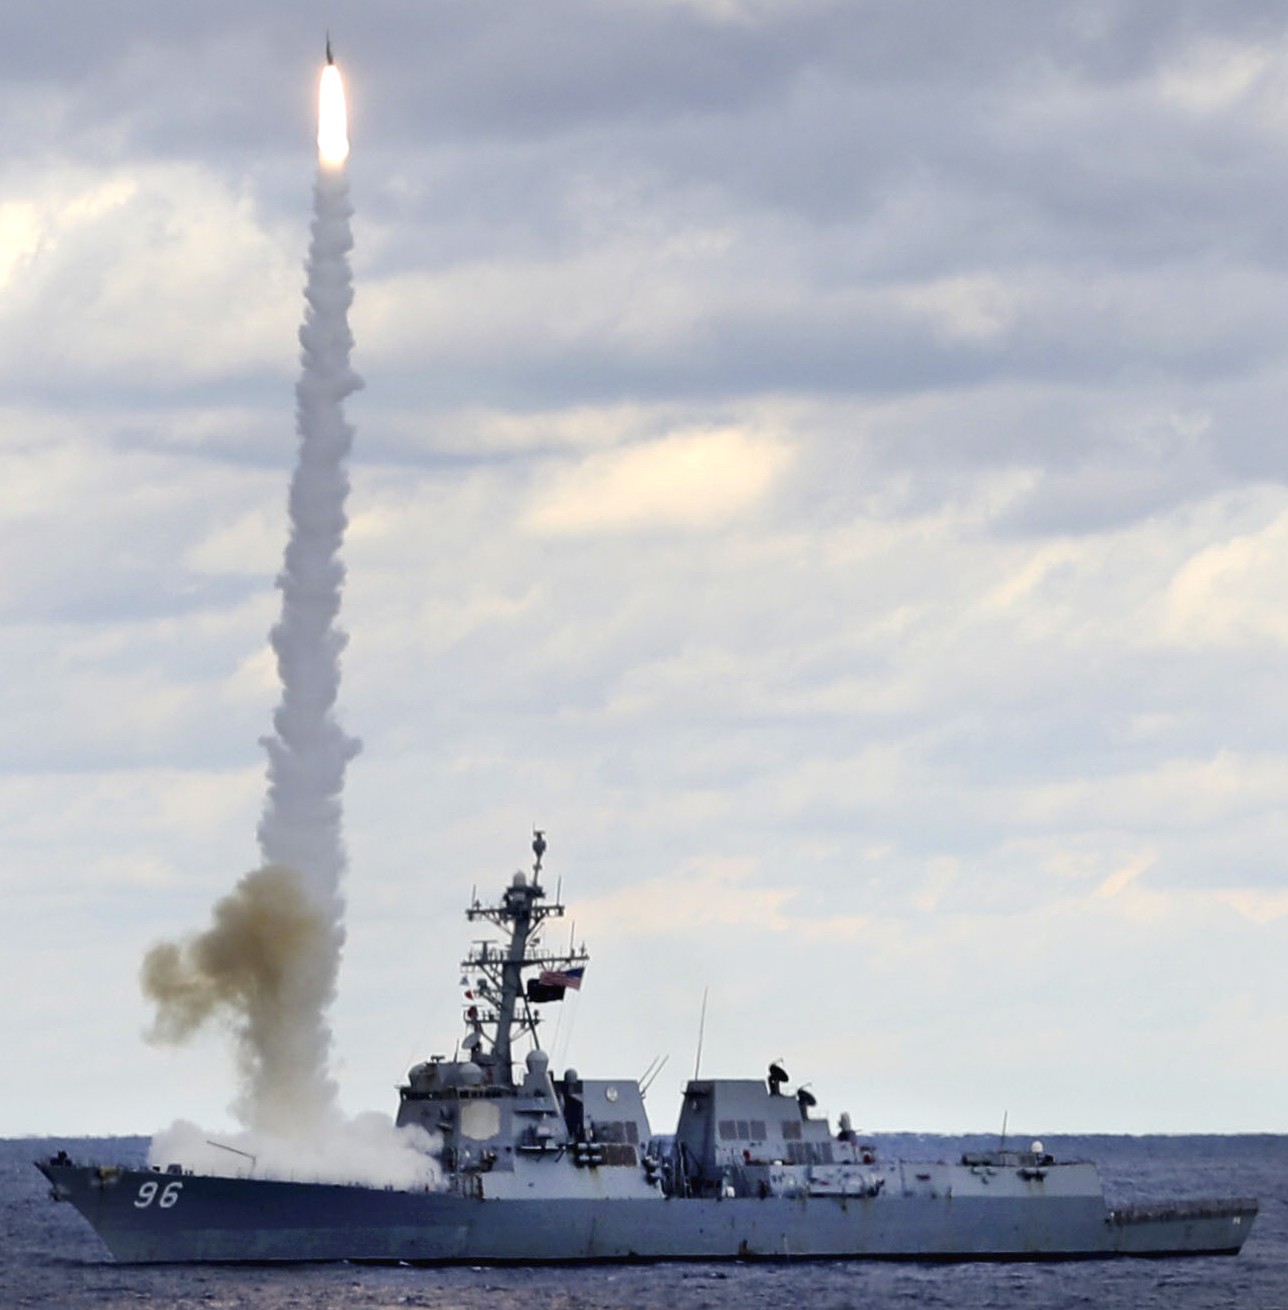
x,y
534,1167
501,1133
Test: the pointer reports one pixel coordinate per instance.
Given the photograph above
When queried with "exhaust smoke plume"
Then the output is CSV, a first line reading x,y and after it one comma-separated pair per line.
x,y
365,1149
265,965
268,963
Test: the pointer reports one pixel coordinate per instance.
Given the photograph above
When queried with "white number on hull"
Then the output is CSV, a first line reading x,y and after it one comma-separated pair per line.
x,y
148,1193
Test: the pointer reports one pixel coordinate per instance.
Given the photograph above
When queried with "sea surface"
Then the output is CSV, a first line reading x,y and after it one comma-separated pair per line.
x,y
50,1257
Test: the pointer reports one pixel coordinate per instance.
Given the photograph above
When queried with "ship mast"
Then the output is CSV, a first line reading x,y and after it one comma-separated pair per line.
x,y
499,1008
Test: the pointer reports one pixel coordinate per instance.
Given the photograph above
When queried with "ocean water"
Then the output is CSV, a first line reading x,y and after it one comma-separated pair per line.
x,y
50,1257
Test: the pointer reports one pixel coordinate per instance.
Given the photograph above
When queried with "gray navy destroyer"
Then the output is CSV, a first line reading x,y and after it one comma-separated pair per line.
x,y
538,1168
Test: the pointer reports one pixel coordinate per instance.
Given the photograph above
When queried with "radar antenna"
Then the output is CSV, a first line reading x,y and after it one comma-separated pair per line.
x,y
500,1007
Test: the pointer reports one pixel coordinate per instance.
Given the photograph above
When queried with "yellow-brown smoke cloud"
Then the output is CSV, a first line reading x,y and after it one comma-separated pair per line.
x,y
266,966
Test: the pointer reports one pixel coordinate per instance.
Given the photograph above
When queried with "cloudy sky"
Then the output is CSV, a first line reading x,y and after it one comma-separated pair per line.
x,y
824,462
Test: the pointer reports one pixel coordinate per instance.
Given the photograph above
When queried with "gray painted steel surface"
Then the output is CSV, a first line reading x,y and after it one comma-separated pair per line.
x,y
220,1219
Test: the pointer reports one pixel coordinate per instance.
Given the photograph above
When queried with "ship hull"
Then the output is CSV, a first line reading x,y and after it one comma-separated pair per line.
x,y
146,1217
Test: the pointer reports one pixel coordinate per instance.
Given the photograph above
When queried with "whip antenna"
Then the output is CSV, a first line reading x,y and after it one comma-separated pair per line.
x,y
702,1027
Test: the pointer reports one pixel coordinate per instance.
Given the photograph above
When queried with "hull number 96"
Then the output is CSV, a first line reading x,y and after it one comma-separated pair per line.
x,y
152,1190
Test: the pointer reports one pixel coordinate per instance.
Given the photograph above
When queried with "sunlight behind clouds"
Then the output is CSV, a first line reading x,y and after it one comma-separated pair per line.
x,y
1231,591
694,481
1215,75
714,894
158,273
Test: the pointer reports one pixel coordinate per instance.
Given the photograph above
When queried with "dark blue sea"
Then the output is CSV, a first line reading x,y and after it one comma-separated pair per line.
x,y
49,1256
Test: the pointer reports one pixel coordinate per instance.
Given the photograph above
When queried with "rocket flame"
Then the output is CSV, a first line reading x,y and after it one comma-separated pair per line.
x,y
333,119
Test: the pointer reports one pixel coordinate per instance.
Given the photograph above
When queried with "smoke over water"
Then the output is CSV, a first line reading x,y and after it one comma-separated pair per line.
x,y
267,965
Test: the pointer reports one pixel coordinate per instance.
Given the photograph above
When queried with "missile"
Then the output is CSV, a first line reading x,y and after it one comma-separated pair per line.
x,y
329,57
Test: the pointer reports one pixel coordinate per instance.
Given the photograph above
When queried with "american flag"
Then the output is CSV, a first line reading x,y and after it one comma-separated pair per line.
x,y
561,978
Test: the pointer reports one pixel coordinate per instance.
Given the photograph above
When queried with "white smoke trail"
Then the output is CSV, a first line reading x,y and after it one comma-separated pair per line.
x,y
270,959
308,751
